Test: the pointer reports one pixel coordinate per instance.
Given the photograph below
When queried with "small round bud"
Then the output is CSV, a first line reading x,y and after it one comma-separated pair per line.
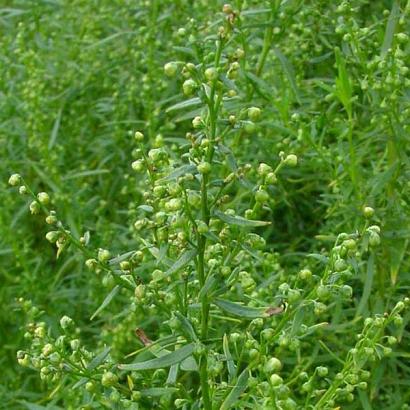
x,y
14,179
271,178
170,69
368,212
261,196
137,165
52,236
291,160
158,275
43,198
66,322
139,136
197,122
51,219
23,190
34,207
275,380
254,114
264,169
125,265
227,8
204,168
211,74
189,87
91,263
202,227
109,379
374,239
103,255
273,365
322,371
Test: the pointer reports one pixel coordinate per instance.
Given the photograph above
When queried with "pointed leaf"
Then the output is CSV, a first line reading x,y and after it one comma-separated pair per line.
x,y
106,301
184,259
239,220
167,360
247,312
236,391
99,359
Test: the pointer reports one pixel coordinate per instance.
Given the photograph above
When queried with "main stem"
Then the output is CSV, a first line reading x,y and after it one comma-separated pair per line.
x,y
213,108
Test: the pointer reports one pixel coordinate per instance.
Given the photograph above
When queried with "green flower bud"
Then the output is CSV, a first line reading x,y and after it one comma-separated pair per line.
x,y
368,212
170,69
66,322
139,136
273,365
189,87
174,204
91,263
51,219
204,168
47,349
14,179
125,265
254,114
109,379
291,160
261,196
202,227
322,371
264,169
34,207
43,198
197,122
158,275
103,255
374,239
52,236
211,74
275,380
137,165
22,190
305,274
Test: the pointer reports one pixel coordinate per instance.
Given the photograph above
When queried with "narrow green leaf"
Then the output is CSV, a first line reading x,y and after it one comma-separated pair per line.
x,y
184,259
297,321
239,220
184,104
246,312
106,301
99,359
229,361
167,360
158,391
90,173
367,285
289,72
234,394
184,169
390,28
172,374
186,326
54,131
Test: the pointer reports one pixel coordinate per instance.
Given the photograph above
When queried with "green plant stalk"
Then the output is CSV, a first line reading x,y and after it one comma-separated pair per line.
x,y
213,108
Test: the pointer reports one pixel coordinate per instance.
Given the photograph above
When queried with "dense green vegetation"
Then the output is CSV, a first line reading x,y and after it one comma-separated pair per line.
x,y
204,205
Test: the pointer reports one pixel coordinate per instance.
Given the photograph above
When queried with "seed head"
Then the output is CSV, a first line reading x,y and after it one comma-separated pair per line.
x,y
170,69
291,160
14,179
43,198
254,114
